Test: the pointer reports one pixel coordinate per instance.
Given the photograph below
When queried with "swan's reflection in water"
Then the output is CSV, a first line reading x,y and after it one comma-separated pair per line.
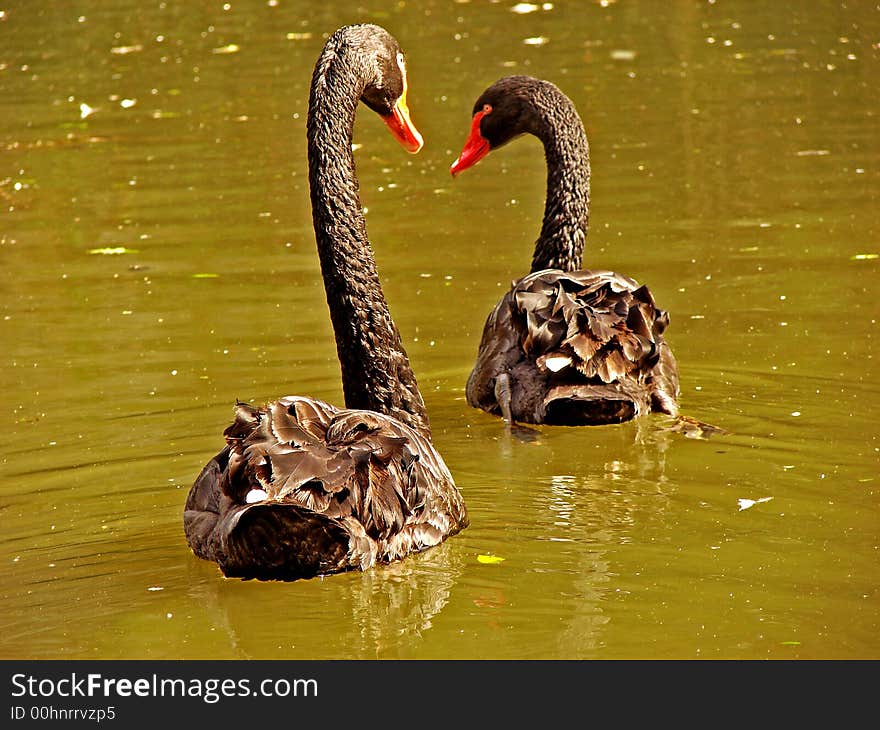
x,y
614,483
383,613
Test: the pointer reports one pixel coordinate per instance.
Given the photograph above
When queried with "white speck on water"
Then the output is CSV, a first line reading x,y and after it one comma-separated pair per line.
x,y
169,615
536,40
123,50
127,103
795,413
155,588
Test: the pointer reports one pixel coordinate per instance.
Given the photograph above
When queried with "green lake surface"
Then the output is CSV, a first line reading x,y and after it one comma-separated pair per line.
x,y
157,262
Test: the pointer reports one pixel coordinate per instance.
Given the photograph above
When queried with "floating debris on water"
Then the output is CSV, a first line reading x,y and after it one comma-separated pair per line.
x,y
123,50
623,54
536,41
85,110
490,559
747,503
523,8
231,48
864,257
298,36
112,250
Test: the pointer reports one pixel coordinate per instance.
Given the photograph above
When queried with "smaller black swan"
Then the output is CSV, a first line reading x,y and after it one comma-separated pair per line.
x,y
303,488
563,346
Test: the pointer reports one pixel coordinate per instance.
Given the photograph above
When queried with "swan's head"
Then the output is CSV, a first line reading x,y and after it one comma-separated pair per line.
x,y
385,92
504,111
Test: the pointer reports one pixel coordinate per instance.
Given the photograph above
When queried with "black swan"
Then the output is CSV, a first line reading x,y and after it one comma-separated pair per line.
x,y
564,346
303,488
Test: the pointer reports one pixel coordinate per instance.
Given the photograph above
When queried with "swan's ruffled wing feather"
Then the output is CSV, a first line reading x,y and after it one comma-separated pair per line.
x,y
365,479
605,321
576,330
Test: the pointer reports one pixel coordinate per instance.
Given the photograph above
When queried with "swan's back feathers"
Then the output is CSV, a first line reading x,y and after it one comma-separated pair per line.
x,y
304,488
583,335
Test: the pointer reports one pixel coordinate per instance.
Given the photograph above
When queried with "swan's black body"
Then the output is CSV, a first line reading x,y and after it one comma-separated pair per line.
x,y
564,346
303,488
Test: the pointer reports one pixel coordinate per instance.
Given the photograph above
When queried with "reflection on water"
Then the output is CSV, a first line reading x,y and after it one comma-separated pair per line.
x,y
388,611
157,262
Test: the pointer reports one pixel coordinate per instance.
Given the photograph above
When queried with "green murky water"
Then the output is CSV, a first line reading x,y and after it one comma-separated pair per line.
x,y
157,262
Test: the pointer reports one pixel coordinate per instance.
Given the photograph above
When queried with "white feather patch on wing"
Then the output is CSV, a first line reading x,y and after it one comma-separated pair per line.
x,y
255,495
555,363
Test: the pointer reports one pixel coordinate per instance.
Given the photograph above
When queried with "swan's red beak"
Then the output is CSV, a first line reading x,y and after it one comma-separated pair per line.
x,y
475,148
401,126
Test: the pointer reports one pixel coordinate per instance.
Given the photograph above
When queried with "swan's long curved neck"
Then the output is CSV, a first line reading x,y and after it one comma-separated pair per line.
x,y
567,205
376,373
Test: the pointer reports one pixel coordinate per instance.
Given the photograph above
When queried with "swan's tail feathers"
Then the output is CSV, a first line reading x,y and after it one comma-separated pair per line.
x,y
283,542
693,429
577,411
591,405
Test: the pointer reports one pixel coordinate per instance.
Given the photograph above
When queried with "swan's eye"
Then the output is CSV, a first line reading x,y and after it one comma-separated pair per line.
x,y
487,109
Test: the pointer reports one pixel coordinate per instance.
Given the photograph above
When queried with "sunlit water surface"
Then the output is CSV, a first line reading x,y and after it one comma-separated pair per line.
x,y
157,262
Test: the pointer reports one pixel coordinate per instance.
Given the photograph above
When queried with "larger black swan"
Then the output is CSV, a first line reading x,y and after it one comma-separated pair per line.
x,y
564,346
303,488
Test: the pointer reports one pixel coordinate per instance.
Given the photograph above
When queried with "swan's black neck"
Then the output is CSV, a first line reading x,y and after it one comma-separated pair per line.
x,y
376,373
567,206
